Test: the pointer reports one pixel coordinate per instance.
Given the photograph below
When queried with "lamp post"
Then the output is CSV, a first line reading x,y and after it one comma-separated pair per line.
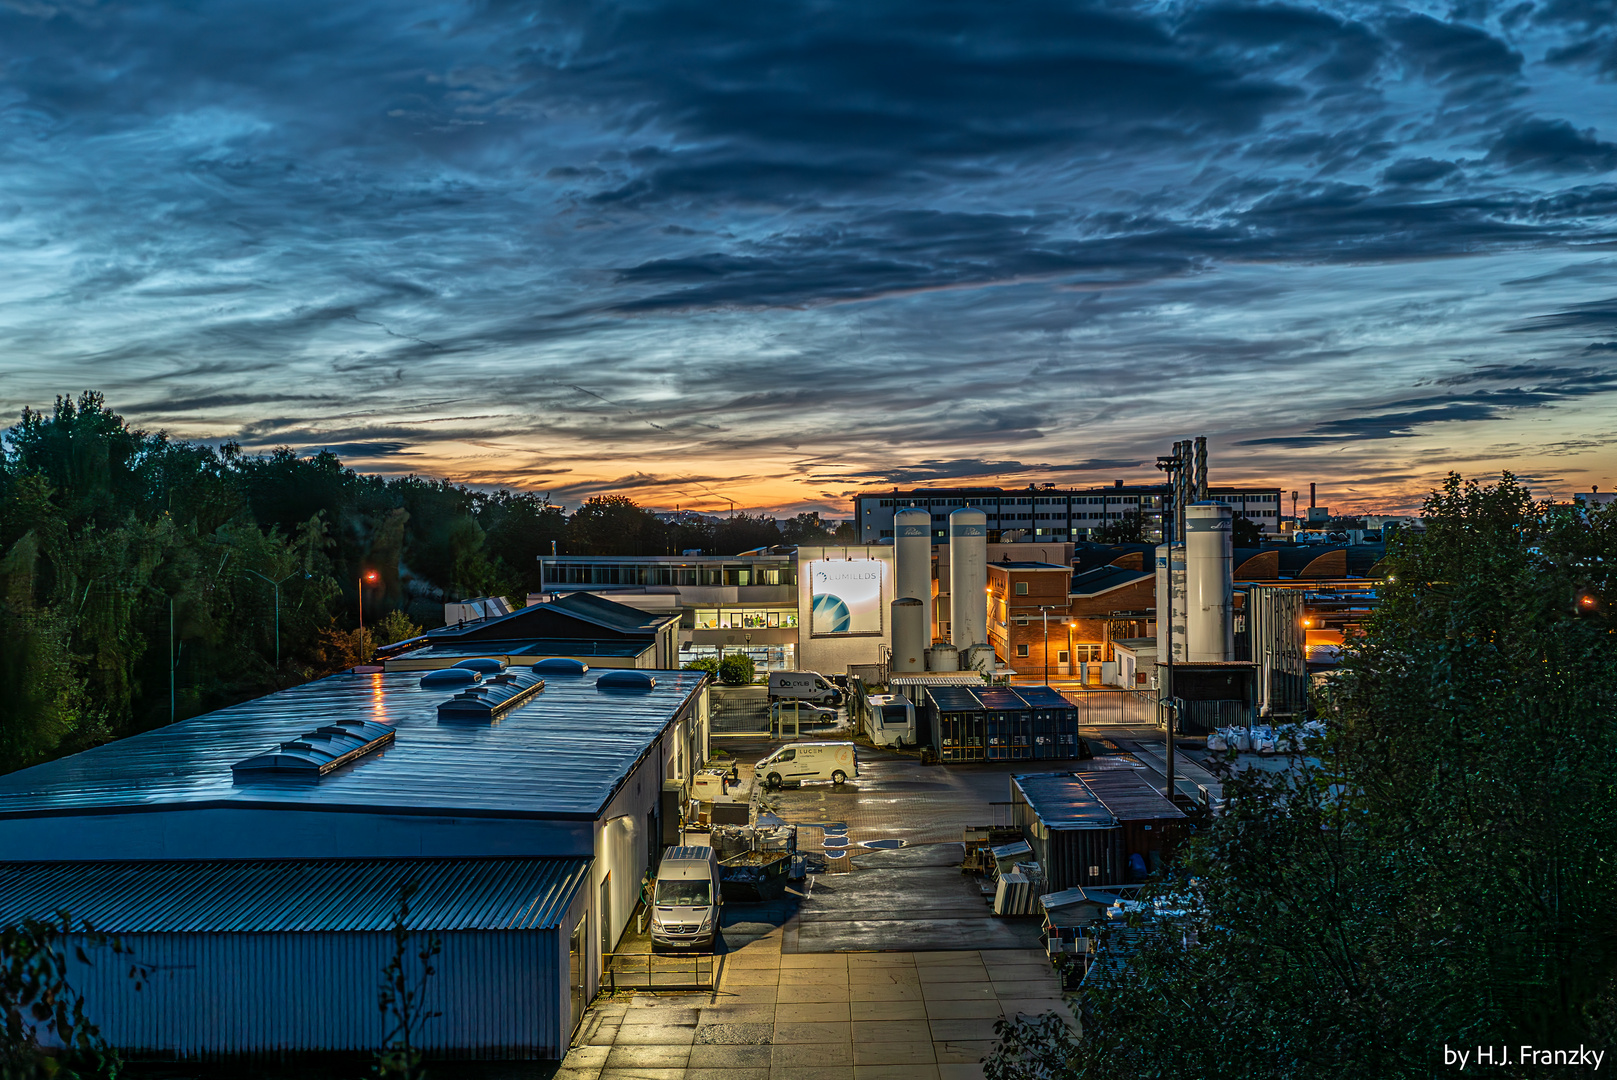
x,y
367,575
1045,615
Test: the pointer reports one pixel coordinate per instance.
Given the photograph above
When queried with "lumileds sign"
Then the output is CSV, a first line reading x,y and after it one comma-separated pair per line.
x,y
847,596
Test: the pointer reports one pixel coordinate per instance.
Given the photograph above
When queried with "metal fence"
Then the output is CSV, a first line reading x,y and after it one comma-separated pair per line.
x,y
1099,707
663,971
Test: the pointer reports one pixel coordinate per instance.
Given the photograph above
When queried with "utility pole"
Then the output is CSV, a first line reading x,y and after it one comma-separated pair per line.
x,y
276,585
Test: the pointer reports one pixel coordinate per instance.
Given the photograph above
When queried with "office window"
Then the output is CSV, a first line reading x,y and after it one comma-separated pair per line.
x,y
1021,650
1061,657
1021,588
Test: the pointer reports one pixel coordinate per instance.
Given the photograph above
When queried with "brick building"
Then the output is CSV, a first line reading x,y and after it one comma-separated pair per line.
x,y
1082,612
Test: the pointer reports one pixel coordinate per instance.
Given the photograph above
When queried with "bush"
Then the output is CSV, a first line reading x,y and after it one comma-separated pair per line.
x,y
736,670
709,664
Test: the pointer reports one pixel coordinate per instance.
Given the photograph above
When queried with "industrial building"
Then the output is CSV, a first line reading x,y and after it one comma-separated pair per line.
x,y
590,629
1046,619
1095,827
251,858
1049,514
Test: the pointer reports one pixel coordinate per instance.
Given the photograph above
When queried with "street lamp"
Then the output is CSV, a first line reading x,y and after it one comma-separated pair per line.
x,y
368,575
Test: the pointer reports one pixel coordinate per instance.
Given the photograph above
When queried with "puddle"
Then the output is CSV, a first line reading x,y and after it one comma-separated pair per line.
x,y
881,845
833,842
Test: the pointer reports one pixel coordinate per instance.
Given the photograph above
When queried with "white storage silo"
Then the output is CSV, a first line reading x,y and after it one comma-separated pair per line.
x,y
968,577
1209,592
909,636
912,551
943,657
1170,587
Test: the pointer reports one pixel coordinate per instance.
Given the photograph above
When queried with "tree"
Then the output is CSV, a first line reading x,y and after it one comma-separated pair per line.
x,y
392,627
736,669
1244,532
1439,871
614,525
1128,529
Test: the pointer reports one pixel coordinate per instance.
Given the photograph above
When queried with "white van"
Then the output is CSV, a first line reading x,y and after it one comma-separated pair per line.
x,y
685,898
802,686
797,762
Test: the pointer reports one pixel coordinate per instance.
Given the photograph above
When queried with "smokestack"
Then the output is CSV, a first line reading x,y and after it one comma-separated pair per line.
x,y
1311,502
1201,468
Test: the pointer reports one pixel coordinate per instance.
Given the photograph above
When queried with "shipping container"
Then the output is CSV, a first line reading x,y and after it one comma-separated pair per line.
x,y
1009,723
1055,722
958,724
1076,839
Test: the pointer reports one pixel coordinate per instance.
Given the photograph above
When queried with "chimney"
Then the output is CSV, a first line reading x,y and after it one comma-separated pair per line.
x,y
1311,503
1117,483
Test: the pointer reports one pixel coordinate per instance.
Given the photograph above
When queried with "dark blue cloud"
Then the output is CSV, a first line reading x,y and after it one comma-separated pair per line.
x,y
919,240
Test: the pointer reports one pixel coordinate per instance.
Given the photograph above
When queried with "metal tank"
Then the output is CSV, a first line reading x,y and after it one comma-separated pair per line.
x,y
943,658
977,658
1209,593
909,636
1170,587
912,550
968,577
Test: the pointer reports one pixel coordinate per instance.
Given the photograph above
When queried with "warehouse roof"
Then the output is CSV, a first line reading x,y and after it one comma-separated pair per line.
x,y
573,615
561,754
1105,579
293,895
1129,795
1062,801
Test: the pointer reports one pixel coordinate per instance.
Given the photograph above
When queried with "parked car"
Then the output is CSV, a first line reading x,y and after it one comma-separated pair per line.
x,y
807,712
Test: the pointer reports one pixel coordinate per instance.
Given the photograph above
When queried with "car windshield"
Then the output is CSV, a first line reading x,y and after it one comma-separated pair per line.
x,y
689,893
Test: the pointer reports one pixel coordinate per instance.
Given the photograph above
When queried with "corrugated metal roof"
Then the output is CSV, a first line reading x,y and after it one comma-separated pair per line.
x,y
1129,795
561,754
1062,801
294,896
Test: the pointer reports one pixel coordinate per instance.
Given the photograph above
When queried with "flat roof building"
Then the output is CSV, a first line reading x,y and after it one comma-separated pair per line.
x,y
1051,514
253,855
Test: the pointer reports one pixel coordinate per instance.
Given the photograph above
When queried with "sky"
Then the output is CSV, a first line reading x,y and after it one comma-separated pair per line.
x,y
775,253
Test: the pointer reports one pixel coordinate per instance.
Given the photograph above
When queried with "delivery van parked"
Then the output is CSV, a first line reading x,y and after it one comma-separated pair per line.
x,y
685,898
797,762
802,686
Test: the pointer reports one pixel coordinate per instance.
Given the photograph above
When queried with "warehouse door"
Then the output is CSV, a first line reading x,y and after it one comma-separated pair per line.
x,y
575,972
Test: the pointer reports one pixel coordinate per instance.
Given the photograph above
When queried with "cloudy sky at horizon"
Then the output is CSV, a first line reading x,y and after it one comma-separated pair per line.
x,y
775,253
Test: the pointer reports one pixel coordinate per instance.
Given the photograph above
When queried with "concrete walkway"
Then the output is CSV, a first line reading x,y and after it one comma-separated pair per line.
x,y
818,1016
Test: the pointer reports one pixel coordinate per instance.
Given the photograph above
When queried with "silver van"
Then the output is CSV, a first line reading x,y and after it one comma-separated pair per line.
x,y
685,899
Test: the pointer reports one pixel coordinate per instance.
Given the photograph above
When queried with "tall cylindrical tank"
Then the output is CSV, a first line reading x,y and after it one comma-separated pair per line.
x,y
943,658
912,550
909,636
1171,602
1209,593
968,577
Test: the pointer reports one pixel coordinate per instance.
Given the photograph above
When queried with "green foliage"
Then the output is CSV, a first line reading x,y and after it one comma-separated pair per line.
x,y
1244,532
736,669
403,993
394,626
1441,869
39,1007
709,664
129,560
1128,529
